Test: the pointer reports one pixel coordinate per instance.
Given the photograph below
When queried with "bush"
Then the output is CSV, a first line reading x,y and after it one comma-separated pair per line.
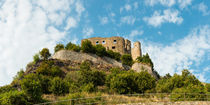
x,y
100,50
14,98
45,83
58,86
87,47
145,59
127,60
114,55
45,53
85,65
31,85
88,87
95,77
58,47
6,88
71,46
49,70
131,82
207,87
189,93
36,58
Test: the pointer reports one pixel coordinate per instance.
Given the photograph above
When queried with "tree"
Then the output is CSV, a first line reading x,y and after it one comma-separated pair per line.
x,y
58,47
45,53
145,59
87,47
31,85
127,59
36,58
71,46
58,86
114,55
100,50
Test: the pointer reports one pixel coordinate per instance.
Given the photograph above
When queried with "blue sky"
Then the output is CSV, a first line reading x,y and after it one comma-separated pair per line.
x,y
175,33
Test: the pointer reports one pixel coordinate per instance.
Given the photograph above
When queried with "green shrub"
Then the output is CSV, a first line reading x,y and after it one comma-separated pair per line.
x,y
45,83
6,88
95,77
58,47
73,87
14,98
207,87
189,93
127,59
100,50
85,65
87,47
71,46
31,85
129,82
145,59
88,87
58,86
45,53
36,58
114,55
49,70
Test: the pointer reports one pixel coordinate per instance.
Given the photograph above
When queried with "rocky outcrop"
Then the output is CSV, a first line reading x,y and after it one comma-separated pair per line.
x,y
79,57
138,67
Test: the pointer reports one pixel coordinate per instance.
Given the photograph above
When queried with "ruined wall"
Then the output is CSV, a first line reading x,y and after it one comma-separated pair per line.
x,y
136,50
117,44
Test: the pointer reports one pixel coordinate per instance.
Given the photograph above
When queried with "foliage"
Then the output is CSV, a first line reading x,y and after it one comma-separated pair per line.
x,y
87,47
207,87
127,59
14,98
189,93
45,83
58,47
71,46
168,84
91,76
58,86
145,59
88,87
6,88
114,55
132,82
20,75
49,69
45,53
100,50
32,87
36,58
85,65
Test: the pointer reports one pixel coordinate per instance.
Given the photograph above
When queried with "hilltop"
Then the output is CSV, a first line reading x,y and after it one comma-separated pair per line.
x,y
75,71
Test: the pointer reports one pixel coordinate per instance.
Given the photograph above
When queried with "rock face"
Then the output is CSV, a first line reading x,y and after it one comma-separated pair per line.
x,y
138,67
100,62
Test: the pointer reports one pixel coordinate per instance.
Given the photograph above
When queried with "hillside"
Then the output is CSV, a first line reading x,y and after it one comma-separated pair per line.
x,y
77,72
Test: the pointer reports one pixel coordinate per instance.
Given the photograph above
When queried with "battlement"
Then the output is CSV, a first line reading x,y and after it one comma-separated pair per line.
x,y
117,44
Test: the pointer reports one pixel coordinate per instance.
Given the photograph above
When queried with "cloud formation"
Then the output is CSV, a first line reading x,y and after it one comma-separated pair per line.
x,y
204,9
28,26
169,15
182,53
169,3
128,20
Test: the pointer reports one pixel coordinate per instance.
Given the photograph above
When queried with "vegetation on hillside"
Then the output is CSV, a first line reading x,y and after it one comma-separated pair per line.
x,y
50,79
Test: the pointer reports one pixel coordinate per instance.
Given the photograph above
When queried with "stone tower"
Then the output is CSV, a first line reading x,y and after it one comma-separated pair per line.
x,y
136,50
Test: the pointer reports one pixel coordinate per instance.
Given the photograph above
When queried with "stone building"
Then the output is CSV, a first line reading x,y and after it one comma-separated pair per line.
x,y
118,44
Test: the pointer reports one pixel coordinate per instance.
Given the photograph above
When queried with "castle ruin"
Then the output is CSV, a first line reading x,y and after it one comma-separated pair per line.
x,y
118,44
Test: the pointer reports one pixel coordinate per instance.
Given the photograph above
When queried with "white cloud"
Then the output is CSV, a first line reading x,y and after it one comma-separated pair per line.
x,y
184,3
169,15
128,19
71,23
136,5
103,20
127,7
88,31
169,3
162,2
204,9
135,33
26,27
180,54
